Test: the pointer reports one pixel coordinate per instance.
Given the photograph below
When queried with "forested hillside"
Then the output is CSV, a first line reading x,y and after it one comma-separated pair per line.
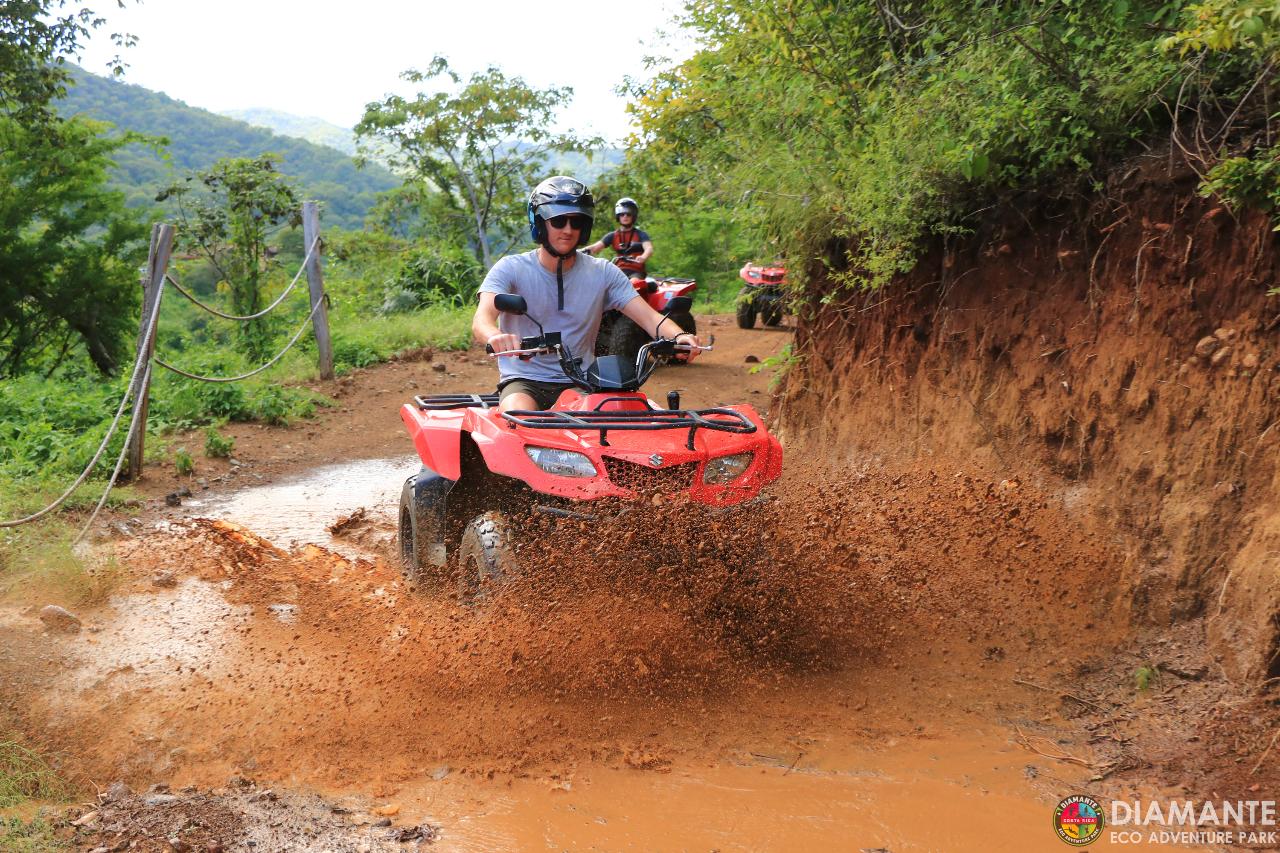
x,y
196,138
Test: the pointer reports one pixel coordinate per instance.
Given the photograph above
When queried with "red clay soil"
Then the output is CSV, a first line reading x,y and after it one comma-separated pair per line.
x,y
1124,359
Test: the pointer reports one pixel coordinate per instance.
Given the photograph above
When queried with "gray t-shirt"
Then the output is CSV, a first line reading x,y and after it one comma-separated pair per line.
x,y
592,286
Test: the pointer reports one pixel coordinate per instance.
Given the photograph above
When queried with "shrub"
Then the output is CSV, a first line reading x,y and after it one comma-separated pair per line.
x,y
448,276
278,405
183,463
217,445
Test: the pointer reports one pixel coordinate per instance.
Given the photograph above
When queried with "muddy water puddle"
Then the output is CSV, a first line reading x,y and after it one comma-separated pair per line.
x,y
946,794
299,510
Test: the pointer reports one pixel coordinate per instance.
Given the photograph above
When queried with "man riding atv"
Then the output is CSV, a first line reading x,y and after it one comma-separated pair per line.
x,y
565,289
631,246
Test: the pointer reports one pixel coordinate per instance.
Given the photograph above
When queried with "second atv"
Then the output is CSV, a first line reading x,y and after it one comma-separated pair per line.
x,y
483,468
621,337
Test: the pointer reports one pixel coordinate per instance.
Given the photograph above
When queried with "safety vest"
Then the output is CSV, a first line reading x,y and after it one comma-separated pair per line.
x,y
624,250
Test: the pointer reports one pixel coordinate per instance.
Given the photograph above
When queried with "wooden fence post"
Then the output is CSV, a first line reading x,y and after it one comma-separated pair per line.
x,y
320,319
157,268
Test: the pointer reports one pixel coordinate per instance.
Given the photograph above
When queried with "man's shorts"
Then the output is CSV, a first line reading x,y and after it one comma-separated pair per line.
x,y
544,394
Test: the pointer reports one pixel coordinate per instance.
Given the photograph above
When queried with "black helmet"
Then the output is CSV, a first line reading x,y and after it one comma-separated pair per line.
x,y
556,197
627,205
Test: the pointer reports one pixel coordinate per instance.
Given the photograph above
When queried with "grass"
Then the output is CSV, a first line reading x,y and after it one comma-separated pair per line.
x,y
35,836
25,775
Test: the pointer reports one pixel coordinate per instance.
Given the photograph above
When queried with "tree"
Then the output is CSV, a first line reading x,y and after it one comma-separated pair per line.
x,y
69,249
482,147
36,36
229,222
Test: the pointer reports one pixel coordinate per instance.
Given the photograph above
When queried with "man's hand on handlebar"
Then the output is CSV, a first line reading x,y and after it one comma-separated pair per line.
x,y
689,340
503,342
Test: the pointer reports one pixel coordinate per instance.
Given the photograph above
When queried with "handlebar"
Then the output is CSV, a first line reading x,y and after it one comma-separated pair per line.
x,y
517,352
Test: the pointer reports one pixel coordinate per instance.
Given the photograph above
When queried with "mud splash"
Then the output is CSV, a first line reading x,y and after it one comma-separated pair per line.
x,y
804,677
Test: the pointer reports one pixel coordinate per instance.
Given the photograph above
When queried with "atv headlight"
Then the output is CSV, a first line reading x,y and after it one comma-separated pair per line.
x,y
565,463
725,469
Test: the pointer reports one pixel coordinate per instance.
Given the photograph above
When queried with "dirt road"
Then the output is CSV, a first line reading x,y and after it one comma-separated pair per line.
x,y
893,680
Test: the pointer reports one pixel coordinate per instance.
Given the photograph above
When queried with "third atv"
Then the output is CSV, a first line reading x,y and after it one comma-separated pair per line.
x,y
763,294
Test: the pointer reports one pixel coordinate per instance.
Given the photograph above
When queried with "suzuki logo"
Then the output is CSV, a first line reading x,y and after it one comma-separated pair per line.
x,y
655,460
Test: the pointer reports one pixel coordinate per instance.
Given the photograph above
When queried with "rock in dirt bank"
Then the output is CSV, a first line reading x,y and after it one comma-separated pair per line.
x,y
1125,352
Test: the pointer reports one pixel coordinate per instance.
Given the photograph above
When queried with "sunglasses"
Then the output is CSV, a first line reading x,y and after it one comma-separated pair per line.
x,y
578,223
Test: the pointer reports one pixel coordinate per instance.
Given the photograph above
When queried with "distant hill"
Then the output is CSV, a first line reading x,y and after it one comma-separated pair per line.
x,y
311,129
324,133
198,137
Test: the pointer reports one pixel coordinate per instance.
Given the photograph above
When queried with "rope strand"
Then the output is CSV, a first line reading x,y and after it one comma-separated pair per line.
x,y
298,334
261,313
115,472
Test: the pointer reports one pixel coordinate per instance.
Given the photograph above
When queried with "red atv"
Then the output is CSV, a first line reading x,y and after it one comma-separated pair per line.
x,y
619,336
482,469
763,295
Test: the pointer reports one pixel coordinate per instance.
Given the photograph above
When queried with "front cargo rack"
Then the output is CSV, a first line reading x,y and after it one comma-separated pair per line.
x,y
721,420
440,402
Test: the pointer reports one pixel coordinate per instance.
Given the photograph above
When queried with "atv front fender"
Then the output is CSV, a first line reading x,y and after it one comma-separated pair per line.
x,y
438,438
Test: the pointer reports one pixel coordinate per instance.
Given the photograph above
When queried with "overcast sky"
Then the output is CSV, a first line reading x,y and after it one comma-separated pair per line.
x,y
329,59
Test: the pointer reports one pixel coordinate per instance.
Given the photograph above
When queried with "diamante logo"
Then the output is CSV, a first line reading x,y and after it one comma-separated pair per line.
x,y
1078,820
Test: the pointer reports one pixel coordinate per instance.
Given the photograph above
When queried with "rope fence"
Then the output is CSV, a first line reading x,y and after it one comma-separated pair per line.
x,y
130,392
138,387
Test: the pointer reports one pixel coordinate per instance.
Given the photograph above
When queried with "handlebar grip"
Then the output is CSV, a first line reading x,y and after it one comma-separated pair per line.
x,y
488,348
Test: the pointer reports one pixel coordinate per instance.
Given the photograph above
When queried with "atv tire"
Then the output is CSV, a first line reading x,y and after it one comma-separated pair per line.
x,y
625,339
746,310
419,535
605,336
772,315
485,557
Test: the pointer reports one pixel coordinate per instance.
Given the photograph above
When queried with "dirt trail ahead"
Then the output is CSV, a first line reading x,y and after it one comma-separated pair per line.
x,y
902,672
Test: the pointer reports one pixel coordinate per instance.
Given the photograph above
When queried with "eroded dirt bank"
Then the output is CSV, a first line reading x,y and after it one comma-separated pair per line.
x,y
1121,355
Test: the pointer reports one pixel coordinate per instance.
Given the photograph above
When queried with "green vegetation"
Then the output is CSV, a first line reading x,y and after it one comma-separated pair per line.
x,y
68,248
851,133
36,836
217,445
241,202
183,463
196,139
25,775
